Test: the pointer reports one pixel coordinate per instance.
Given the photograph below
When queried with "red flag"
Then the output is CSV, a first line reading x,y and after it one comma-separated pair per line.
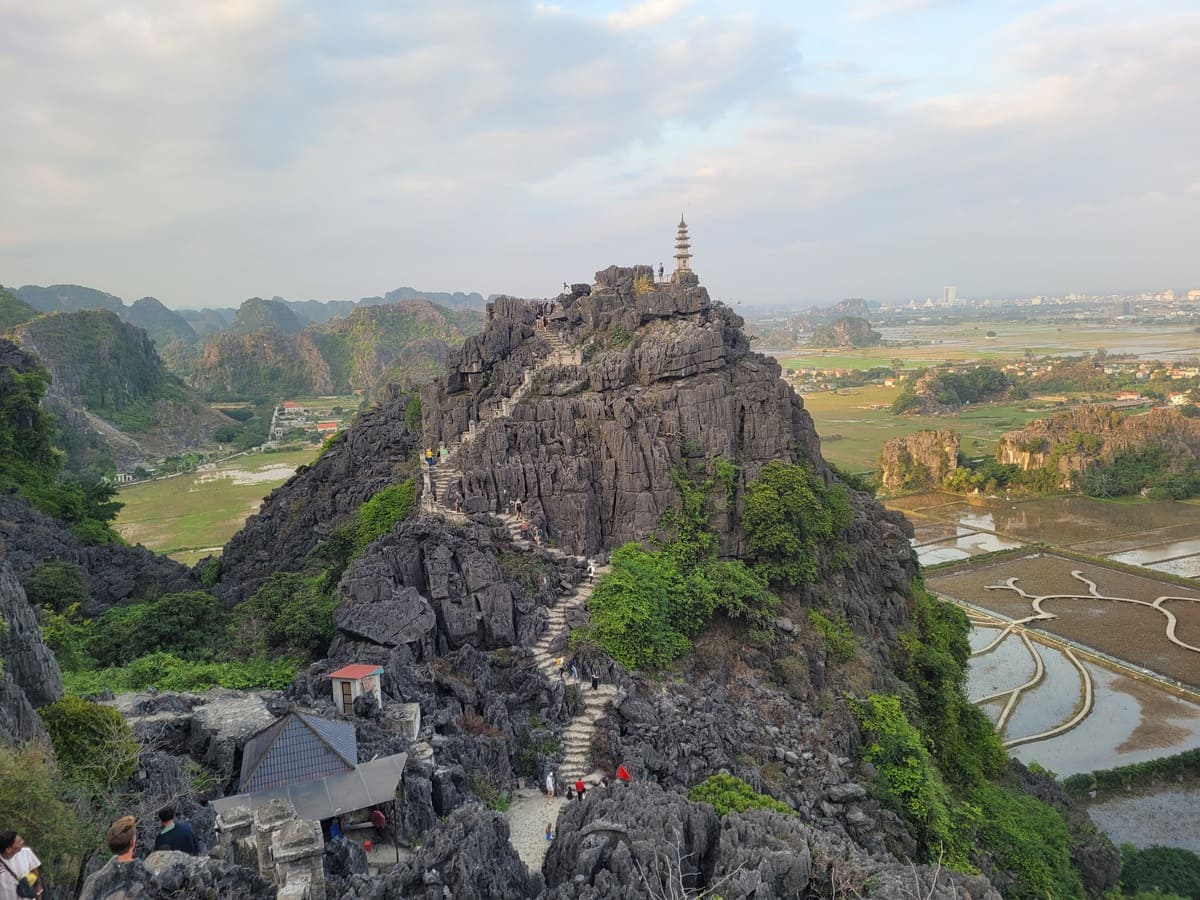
x,y
623,774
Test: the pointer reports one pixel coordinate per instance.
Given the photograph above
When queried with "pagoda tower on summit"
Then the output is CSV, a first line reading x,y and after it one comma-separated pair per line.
x,y
683,251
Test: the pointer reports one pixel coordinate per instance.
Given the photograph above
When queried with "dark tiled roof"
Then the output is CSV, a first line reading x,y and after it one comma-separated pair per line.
x,y
297,748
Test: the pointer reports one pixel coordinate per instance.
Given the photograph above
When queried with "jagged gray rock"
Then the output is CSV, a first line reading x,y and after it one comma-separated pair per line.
x,y
310,505
468,857
110,573
27,659
594,467
169,874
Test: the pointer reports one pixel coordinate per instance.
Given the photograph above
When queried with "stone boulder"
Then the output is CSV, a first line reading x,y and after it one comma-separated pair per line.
x,y
169,874
467,857
429,588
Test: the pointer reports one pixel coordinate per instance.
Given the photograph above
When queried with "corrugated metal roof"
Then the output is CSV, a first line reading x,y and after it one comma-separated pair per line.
x,y
297,748
356,671
366,785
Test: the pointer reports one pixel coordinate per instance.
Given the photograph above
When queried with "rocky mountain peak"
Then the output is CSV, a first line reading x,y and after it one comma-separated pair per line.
x,y
619,381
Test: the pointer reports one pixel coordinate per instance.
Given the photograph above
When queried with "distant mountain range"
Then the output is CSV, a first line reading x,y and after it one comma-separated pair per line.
x,y
131,383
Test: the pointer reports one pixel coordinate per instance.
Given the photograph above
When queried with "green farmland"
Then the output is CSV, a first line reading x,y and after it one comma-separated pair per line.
x,y
854,422
191,516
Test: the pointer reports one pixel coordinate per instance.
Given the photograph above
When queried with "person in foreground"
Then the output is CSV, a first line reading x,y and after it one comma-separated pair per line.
x,y
20,865
122,876
175,835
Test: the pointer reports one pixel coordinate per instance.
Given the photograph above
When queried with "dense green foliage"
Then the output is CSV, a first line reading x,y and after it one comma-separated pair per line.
x,y
952,388
92,742
290,612
1165,869
934,664
37,804
13,310
727,794
382,512
942,768
1122,778
167,672
647,610
1149,469
31,465
789,515
191,625
55,585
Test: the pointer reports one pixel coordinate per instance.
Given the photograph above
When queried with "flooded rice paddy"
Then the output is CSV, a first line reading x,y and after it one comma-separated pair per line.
x,y
1162,536
1080,666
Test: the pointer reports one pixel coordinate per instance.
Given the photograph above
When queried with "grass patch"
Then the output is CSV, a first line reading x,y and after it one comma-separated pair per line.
x,y
182,516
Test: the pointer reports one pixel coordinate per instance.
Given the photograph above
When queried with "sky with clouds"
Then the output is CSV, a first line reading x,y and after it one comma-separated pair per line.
x,y
206,152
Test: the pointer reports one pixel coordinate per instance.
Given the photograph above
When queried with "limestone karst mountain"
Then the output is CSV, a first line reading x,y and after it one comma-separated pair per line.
x,y
113,393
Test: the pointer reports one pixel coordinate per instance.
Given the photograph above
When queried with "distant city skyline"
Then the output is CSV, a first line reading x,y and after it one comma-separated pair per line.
x,y
207,153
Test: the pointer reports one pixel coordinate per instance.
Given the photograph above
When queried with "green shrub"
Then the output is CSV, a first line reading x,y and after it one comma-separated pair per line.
x,y
1166,869
1026,839
631,609
36,805
170,673
909,783
412,413
726,794
1175,766
91,742
789,515
191,624
839,640
289,611
379,515
934,664
55,585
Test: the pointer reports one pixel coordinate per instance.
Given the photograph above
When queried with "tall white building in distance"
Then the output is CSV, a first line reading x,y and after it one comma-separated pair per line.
x,y
949,295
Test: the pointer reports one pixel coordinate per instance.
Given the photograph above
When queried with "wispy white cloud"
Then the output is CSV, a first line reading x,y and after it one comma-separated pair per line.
x,y
647,14
880,9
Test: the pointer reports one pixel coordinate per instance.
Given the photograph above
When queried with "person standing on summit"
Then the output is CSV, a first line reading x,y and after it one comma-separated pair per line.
x,y
175,835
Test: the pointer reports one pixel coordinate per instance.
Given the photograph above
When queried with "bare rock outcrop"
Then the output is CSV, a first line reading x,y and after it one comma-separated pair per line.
x,y
1075,439
110,573
920,459
467,857
667,374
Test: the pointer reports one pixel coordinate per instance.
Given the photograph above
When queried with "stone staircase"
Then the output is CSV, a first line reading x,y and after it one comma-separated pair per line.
x,y
577,736
561,353
445,479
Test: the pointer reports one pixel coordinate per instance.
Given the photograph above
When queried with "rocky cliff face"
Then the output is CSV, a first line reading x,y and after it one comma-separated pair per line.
x,y
666,375
920,459
848,331
1074,439
300,513
31,677
110,574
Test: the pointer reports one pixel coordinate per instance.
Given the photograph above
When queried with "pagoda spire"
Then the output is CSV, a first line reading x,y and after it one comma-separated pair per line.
x,y
683,251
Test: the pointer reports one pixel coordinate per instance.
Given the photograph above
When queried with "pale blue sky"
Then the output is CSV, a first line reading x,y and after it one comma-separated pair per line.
x,y
204,153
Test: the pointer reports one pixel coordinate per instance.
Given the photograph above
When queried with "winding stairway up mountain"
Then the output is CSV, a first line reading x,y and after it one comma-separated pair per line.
x,y
442,496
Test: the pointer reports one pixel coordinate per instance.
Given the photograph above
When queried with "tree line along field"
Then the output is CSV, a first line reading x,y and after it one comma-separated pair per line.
x,y
854,422
187,515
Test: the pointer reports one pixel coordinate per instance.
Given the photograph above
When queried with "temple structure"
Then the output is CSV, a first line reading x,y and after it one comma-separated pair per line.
x,y
683,251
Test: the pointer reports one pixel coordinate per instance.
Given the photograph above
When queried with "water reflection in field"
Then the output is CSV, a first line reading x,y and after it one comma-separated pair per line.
x,y
1161,535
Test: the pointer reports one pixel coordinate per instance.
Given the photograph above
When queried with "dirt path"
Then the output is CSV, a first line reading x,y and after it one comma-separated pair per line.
x,y
528,813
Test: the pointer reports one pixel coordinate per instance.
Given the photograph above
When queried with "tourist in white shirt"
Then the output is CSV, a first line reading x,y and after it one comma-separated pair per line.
x,y
19,861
